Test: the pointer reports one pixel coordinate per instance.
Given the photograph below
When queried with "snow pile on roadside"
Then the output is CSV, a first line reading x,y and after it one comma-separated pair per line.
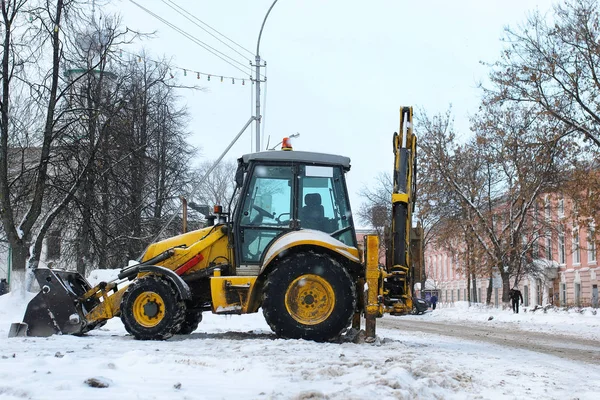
x,y
12,309
560,321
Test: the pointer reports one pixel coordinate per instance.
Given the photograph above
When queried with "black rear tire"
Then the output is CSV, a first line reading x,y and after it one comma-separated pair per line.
x,y
152,309
309,296
191,322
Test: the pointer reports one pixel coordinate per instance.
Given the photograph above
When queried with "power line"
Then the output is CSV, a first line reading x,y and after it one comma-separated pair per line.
x,y
207,47
186,70
173,5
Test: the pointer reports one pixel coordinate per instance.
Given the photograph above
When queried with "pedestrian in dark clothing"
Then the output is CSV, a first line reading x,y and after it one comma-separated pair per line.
x,y
3,286
515,295
433,301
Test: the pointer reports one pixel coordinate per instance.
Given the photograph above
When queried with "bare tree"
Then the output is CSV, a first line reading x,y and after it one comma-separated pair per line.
x,y
34,121
218,186
140,170
494,180
376,209
552,63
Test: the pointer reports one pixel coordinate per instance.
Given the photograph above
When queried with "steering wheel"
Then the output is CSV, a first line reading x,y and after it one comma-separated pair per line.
x,y
340,231
262,212
278,219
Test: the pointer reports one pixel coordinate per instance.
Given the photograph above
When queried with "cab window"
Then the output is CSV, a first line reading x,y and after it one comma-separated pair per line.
x,y
266,210
323,202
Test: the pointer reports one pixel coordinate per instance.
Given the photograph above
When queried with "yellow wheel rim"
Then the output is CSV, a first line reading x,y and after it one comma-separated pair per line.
x,y
310,299
148,309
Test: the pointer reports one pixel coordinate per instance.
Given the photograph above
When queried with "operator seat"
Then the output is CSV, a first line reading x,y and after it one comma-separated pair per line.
x,y
312,215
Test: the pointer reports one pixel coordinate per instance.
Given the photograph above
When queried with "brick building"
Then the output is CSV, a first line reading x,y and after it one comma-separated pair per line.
x,y
565,255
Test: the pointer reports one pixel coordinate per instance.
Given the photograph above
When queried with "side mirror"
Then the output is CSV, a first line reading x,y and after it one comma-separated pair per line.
x,y
239,176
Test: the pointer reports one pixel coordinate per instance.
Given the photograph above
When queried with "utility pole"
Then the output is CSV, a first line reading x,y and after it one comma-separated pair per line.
x,y
257,79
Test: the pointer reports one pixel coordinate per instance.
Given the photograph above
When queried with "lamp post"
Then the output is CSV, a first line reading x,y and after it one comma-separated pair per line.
x,y
258,80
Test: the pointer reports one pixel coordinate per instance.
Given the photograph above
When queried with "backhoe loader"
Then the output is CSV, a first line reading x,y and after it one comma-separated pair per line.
x,y
288,247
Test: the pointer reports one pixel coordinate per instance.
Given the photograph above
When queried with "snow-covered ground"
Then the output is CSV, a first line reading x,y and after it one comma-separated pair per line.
x,y
584,323
238,357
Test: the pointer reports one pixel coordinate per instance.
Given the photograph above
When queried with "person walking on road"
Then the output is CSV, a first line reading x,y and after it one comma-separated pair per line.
x,y
433,301
515,295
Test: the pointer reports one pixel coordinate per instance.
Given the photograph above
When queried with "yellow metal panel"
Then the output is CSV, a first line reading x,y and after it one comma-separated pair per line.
x,y
212,243
374,286
230,293
399,198
109,307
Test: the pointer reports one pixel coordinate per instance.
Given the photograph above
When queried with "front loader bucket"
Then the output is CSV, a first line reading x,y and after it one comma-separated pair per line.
x,y
56,309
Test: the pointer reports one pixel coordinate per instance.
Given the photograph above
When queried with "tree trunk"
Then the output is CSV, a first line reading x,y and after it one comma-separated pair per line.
x,y
505,288
468,288
19,256
488,296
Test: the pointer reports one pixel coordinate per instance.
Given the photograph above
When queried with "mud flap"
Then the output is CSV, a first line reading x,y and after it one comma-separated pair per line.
x,y
56,309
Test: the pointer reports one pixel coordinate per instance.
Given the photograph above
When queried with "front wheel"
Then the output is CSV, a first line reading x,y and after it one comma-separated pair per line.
x,y
151,309
309,296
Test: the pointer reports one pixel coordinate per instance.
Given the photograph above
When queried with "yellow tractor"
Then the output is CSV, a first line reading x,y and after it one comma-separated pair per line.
x,y
288,246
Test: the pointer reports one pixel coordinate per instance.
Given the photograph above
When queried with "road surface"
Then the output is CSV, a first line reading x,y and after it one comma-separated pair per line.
x,y
564,346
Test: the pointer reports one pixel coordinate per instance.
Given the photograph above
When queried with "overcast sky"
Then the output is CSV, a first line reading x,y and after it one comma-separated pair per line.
x,y
338,70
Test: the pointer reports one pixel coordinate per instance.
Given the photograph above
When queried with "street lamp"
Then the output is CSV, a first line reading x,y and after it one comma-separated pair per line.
x,y
293,135
258,66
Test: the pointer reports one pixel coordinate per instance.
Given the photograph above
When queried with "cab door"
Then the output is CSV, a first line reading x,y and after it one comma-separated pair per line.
x,y
266,212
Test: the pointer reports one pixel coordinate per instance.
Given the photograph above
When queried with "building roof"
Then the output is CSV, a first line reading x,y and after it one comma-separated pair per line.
x,y
298,156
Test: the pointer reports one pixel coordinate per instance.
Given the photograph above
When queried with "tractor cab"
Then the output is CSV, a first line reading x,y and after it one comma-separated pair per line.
x,y
283,191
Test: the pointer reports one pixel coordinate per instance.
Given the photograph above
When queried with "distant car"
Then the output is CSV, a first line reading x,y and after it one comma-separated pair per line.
x,y
419,306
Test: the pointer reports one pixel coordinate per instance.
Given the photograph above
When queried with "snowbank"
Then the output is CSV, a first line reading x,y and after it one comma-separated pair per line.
x,y
581,322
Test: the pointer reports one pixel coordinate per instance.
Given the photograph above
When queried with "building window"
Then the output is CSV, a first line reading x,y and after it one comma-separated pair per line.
x,y
563,294
561,207
535,248
576,252
457,294
479,295
591,254
540,292
452,294
465,294
548,246
578,294
526,295
561,245
547,207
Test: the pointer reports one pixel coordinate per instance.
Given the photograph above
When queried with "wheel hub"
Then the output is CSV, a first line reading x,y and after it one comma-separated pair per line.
x,y
310,299
149,309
